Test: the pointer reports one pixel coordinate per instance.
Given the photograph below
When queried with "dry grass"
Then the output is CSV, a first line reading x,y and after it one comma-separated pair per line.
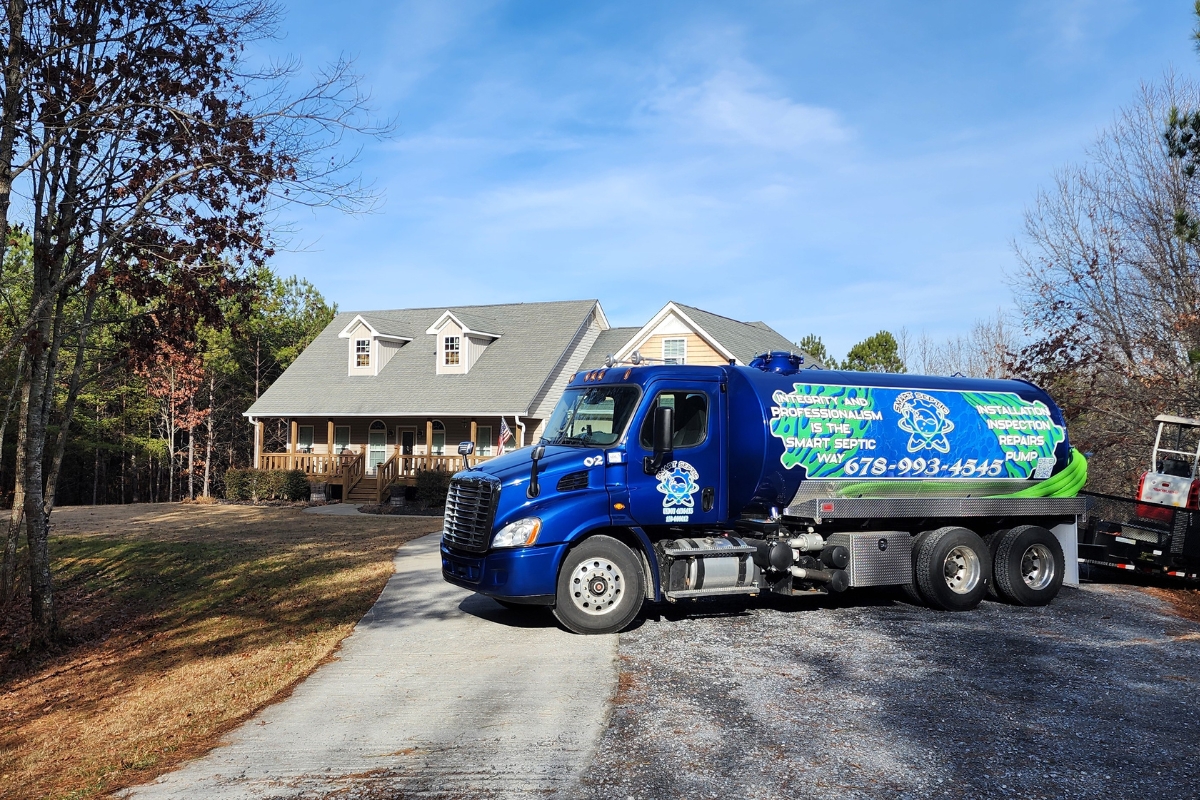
x,y
181,621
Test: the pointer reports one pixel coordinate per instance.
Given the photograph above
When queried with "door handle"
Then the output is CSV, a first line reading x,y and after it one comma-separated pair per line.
x,y
706,498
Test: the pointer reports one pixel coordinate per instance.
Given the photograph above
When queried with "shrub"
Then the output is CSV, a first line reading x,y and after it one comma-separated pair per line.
x,y
239,484
432,487
260,484
293,485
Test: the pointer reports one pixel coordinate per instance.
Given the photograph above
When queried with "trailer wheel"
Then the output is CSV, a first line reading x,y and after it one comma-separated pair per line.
x,y
911,590
1029,566
953,568
600,587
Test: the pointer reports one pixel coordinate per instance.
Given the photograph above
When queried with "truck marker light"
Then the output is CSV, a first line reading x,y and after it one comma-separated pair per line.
x,y
827,506
619,506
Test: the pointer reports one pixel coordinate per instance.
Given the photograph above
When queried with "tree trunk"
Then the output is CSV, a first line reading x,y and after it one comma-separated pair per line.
x,y
60,446
191,454
208,444
14,72
8,571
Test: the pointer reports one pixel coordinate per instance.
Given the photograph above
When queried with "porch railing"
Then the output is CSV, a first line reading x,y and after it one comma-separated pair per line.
x,y
348,469
353,469
385,473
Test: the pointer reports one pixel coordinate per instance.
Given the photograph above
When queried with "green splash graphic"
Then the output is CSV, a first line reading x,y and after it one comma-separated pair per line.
x,y
793,425
1008,415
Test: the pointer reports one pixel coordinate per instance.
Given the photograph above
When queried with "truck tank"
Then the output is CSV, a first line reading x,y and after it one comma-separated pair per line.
x,y
797,434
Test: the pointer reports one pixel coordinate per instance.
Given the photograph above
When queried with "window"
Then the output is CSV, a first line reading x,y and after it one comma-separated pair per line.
x,y
304,438
341,438
483,444
674,351
691,418
362,352
450,349
593,416
439,439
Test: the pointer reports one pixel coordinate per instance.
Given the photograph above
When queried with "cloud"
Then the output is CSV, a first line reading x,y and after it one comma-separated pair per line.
x,y
737,107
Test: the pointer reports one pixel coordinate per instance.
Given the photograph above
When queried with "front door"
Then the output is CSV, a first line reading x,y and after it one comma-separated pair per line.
x,y
408,438
687,489
376,449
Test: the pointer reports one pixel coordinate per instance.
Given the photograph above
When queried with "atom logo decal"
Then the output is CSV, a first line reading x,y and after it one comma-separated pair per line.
x,y
678,481
924,419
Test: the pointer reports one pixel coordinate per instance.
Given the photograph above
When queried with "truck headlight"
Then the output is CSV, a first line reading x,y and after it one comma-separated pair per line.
x,y
518,534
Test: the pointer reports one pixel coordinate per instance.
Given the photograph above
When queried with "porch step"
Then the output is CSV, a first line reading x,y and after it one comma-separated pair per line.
x,y
364,492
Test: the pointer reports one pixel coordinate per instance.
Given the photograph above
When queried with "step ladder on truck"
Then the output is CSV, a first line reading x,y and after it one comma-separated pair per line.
x,y
1157,531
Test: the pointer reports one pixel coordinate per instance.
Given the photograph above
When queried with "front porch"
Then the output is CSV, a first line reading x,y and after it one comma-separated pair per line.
x,y
364,456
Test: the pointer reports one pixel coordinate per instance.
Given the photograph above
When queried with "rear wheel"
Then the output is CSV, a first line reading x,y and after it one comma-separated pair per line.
x,y
993,543
600,587
911,590
1029,566
953,569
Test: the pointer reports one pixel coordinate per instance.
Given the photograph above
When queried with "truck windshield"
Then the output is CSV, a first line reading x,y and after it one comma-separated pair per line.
x,y
592,417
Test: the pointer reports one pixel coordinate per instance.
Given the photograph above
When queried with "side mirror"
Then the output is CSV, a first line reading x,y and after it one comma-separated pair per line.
x,y
465,449
663,437
533,490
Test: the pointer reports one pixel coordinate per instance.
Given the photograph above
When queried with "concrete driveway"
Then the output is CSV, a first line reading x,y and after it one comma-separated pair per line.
x,y
437,693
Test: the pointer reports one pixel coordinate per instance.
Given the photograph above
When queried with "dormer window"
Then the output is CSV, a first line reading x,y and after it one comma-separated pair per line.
x,y
369,348
461,339
450,350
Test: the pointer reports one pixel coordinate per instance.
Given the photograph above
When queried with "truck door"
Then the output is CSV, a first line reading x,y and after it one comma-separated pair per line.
x,y
689,488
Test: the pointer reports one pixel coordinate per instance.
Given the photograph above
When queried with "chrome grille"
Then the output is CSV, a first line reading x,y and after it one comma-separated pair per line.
x,y
470,509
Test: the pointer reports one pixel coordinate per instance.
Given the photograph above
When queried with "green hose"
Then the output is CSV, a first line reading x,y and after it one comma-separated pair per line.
x,y
1065,484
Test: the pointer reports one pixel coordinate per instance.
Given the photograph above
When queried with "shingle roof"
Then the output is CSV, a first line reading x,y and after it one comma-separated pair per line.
x,y
744,339
609,342
505,380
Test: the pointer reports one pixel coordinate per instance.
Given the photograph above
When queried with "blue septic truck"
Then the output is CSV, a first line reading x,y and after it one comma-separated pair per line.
x,y
665,483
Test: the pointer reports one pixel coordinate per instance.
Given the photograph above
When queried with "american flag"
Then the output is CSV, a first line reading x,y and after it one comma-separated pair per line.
x,y
505,435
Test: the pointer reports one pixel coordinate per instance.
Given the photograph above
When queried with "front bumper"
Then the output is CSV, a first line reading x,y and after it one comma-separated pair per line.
x,y
519,575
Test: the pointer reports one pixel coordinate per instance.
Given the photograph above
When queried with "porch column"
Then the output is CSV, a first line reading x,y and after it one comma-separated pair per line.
x,y
258,442
329,442
429,440
293,435
475,432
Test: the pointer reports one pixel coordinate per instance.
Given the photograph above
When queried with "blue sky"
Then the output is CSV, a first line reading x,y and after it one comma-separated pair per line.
x,y
834,168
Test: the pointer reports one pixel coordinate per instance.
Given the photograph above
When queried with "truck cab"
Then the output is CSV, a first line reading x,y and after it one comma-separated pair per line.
x,y
597,473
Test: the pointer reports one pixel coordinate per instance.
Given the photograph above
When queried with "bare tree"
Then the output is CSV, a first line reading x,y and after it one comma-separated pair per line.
x,y
985,352
1110,290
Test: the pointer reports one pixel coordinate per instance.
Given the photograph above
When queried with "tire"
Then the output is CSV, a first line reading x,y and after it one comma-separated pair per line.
x,y
993,543
910,589
953,568
600,587
1029,566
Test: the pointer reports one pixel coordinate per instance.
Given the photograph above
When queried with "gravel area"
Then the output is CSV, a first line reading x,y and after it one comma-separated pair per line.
x,y
864,696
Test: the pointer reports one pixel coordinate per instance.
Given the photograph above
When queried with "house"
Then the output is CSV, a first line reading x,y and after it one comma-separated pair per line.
x,y
379,395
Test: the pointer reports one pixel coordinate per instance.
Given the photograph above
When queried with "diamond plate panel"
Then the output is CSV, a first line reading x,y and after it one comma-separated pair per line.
x,y
877,558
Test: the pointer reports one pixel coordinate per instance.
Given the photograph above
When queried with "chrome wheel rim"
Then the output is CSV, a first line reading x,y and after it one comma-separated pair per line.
x,y
962,570
1037,567
596,586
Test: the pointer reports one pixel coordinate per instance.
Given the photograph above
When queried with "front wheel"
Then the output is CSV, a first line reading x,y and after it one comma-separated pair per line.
x,y
600,587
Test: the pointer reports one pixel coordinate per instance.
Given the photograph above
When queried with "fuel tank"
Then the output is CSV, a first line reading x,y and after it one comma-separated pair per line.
x,y
798,433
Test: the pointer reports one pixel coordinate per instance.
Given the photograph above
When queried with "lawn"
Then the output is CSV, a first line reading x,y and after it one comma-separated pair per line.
x,y
181,621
